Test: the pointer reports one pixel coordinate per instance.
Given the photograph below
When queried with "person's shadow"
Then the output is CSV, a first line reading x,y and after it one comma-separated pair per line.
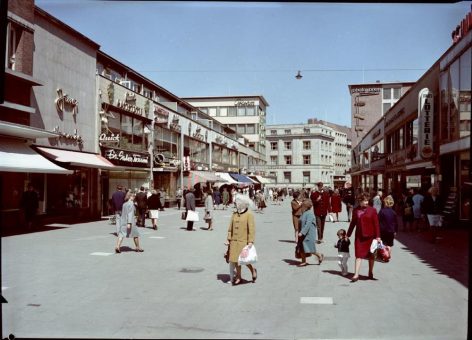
x,y
225,278
287,241
291,262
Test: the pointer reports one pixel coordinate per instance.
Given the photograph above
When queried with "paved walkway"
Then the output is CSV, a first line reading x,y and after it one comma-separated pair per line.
x,y
67,282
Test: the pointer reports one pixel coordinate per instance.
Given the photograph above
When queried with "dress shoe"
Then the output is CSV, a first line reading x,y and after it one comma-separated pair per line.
x,y
355,279
139,250
117,250
254,276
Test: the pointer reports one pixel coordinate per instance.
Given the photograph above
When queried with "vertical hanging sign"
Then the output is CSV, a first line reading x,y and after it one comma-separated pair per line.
x,y
426,116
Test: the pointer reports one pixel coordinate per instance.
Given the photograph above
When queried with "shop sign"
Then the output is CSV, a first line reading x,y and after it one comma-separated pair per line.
x,y
126,158
63,100
426,113
366,91
130,107
162,116
186,163
244,103
109,138
67,137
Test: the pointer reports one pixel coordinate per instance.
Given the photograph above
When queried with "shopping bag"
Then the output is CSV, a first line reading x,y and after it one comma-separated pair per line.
x,y
184,215
382,253
192,216
330,217
248,255
374,245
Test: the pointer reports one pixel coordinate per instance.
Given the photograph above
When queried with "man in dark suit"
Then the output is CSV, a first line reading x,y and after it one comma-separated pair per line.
x,y
117,199
141,203
321,201
190,205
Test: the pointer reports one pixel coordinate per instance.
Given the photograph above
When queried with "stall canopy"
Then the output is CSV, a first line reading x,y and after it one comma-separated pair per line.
x,y
75,158
262,180
195,177
242,179
16,156
227,179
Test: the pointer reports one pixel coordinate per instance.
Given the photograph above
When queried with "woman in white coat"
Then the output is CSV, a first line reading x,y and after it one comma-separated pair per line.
x,y
128,226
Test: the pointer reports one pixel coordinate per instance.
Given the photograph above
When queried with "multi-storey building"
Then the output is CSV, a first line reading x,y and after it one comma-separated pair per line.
x,y
244,114
424,139
342,153
301,154
369,102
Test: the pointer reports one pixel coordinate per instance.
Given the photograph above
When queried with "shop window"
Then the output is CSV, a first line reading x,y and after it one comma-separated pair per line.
x,y
68,192
225,153
216,154
465,93
126,132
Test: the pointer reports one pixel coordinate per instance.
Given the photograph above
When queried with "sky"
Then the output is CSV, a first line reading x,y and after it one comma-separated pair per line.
x,y
247,48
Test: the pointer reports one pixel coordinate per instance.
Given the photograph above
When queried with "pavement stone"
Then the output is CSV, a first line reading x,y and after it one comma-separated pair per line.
x,y
177,287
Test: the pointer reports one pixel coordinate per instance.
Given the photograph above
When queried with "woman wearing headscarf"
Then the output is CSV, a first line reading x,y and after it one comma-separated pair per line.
x,y
296,212
128,226
366,222
241,232
307,234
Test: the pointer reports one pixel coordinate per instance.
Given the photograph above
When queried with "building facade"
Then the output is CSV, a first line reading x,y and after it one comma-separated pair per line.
x,y
244,114
300,155
424,139
369,102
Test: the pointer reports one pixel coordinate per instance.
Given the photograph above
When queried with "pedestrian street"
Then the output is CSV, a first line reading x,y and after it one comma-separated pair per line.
x,y
67,282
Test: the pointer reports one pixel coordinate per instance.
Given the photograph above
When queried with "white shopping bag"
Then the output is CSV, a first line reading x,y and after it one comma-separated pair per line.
x,y
330,217
248,255
192,216
374,245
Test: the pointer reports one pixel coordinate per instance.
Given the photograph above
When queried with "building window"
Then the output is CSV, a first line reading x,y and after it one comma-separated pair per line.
x,y
306,177
306,145
232,111
464,94
306,159
386,107
287,177
273,132
387,93
273,145
223,111
250,111
288,145
14,35
396,93
273,160
241,128
306,131
212,111
288,160
250,129
287,131
241,111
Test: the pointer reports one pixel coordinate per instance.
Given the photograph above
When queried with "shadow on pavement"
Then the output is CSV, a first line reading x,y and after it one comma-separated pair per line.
x,y
291,262
223,278
15,232
449,255
287,241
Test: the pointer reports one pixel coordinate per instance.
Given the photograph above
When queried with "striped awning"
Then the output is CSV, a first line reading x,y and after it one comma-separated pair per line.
x,y
195,177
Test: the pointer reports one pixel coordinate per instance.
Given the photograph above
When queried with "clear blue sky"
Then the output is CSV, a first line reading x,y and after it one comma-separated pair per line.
x,y
247,48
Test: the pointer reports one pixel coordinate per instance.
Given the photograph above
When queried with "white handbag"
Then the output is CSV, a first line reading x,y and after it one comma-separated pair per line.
x,y
192,216
248,255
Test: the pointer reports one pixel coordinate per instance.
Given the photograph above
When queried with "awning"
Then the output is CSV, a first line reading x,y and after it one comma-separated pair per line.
x,y
75,158
195,177
262,180
242,179
16,156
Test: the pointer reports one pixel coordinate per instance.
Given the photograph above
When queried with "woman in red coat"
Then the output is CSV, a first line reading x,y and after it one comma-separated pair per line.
x,y
366,222
335,206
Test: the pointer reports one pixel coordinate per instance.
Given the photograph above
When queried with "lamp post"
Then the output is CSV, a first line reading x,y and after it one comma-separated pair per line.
x,y
150,133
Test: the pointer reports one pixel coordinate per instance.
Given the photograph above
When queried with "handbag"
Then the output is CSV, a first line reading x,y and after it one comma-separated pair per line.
x,y
192,216
248,255
207,216
184,215
226,256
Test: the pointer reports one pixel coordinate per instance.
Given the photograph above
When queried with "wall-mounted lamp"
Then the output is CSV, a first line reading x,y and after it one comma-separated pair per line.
x,y
299,76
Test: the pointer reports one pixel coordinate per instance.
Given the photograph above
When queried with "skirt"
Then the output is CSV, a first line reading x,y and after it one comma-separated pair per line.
x,y
153,213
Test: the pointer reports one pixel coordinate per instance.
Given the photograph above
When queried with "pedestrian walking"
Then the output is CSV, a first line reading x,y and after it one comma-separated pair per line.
x,y
128,227
162,198
190,205
241,232
408,217
178,197
343,250
388,222
141,203
225,198
307,234
433,206
154,203
418,216
209,207
296,212
117,199
335,204
366,222
261,202
217,198
377,201
349,201
30,205
320,199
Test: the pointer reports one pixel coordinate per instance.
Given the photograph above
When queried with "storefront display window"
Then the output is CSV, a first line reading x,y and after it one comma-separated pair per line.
x,y
69,191
454,100
444,107
465,94
216,153
225,156
234,157
123,131
166,142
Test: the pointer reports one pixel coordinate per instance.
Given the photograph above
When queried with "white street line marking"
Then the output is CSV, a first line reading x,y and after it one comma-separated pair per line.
x,y
317,300
156,237
101,254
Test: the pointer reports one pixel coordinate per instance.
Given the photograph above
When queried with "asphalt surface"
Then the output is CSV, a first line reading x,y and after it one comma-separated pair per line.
x,y
67,282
